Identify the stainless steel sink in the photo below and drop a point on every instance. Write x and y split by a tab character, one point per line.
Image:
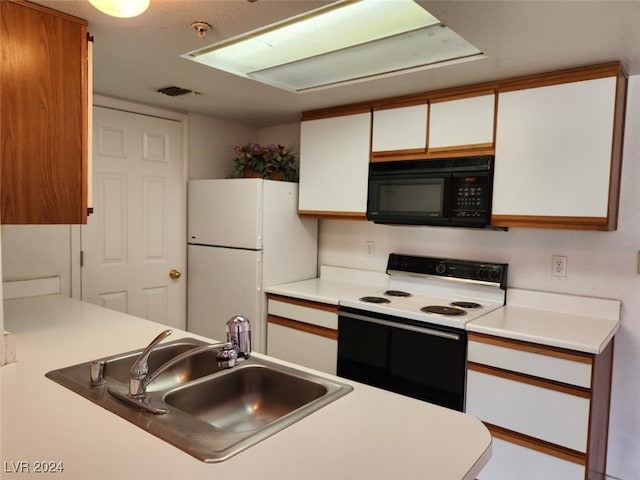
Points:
213	413
246	398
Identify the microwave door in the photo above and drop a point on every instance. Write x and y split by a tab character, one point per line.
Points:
409	200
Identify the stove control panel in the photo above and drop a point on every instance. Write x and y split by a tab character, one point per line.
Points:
482	272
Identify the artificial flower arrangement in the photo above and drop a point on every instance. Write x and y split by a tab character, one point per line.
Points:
275	162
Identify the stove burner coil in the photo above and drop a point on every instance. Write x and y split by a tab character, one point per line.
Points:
397	293
443	310
463	304
374	300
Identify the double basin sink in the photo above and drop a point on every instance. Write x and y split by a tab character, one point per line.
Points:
213	413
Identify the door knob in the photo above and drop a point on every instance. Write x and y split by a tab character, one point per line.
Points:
174	274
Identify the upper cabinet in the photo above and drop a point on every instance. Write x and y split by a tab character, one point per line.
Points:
440	125
400	129
558	151
334	165
44	115
557	140
462	124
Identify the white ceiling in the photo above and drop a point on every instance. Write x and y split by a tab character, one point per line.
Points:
134	57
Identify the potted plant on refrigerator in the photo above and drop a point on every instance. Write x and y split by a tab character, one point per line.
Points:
273	162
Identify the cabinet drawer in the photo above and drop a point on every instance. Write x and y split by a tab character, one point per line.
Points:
543	413
511	461
324	318
570	369
302	348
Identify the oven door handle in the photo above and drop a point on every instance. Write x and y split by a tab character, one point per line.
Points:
412	328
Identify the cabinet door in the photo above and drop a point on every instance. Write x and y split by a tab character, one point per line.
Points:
334	165
462	123
402	128
554	155
44	116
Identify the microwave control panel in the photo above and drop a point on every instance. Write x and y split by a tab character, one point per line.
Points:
470	196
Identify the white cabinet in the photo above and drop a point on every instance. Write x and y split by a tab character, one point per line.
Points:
558	154
548	407
462	123
536	412
303	332
334	165
401	128
511	461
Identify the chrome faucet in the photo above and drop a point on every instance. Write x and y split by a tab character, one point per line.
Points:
237	347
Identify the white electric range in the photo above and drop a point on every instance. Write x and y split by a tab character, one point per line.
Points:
410	337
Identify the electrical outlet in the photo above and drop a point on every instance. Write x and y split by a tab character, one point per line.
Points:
558	266
370	248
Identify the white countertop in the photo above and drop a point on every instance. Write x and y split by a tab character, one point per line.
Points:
584	324
575	322
333	284
369	433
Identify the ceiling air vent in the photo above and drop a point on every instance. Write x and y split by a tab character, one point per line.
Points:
174	91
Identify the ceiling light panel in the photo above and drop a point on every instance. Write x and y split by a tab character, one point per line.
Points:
346	41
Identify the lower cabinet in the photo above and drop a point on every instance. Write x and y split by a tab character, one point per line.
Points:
547	408
303	332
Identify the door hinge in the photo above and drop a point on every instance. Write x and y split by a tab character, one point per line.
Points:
81	258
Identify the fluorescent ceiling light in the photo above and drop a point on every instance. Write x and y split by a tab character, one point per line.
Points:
346	41
121	8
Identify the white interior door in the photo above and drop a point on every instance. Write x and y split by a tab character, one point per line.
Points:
135	237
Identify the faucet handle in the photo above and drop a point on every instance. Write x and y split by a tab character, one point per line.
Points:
140	368
239	335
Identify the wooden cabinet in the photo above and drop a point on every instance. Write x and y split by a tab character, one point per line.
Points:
558	151
462	124
44	97
400	129
303	332
334	165
548	407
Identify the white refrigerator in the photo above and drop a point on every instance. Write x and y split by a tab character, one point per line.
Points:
243	235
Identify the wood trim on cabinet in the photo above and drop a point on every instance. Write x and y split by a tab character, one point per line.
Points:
461	149
336	111
327	307
531	347
530	380
400	102
329	215
570	223
609	69
616	150
303	327
536	444
461	93
598	434
445	152
50	11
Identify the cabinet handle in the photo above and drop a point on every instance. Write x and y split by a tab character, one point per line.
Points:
401	326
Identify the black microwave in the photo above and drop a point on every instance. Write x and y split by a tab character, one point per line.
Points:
453	192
